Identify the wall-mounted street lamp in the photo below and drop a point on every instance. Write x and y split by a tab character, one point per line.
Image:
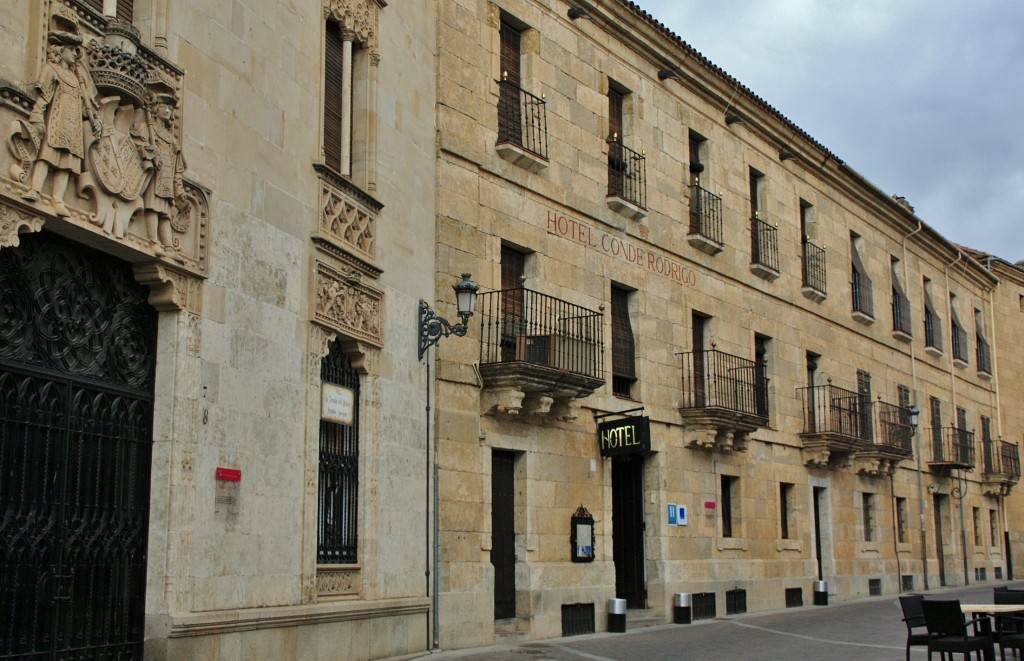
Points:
432	327
913	413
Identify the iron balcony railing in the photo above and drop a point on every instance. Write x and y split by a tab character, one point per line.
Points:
952	445
861	292
814	266
764	244
524	326
829	409
901	313
522	119
705	214
984	357
714	379
627	174
895	430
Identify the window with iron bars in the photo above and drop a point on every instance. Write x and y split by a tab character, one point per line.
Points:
338	508
860	283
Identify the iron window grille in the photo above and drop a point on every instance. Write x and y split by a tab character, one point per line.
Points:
522	118
764	244
813	266
860	283
932	329
989	453
735	601
705	214
1009	455
337	530
627	173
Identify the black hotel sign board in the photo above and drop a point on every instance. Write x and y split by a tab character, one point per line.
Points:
628	436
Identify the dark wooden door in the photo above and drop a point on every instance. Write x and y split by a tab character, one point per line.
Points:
503	533
628	530
938	505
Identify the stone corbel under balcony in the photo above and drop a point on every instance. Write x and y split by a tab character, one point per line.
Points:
626	208
829	450
715	430
525	159
997	484
862	317
874	465
813	294
705	244
531	392
762	271
902	336
934	352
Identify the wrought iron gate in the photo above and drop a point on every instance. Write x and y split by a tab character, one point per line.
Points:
76	387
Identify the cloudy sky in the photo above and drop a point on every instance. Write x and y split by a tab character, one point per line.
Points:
925	98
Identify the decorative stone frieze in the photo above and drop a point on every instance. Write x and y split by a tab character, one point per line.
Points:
343	303
348	216
338	582
14	221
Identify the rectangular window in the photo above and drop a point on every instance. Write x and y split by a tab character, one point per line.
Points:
864	406
813	255
338	478
900	302
705	206
513	311
762	347
987	447
623	344
868	512
860	283
729	518
698	153
957	332
902	519
626	167
522	116
764	239
785	496
976	519
344	61
993	526
984	356
935	409
932	326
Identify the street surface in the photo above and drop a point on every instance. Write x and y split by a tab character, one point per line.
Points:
870	629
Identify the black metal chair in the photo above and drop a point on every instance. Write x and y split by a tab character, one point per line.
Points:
1011	641
948	630
1008	624
913	617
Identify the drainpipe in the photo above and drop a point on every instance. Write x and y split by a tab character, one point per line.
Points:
917	437
952	389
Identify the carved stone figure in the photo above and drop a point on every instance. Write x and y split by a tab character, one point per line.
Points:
65	96
165	196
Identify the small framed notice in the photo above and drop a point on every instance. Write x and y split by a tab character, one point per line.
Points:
336	403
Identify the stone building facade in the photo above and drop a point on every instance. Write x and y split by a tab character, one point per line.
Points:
702	337
212	220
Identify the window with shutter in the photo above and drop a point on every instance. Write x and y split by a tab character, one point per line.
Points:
623	348
125	8
333	92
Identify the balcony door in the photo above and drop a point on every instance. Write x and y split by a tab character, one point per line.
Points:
513	322
939	507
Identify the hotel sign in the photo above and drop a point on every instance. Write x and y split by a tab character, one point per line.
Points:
628	436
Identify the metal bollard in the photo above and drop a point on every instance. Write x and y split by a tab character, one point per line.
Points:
821	593
616	616
682	613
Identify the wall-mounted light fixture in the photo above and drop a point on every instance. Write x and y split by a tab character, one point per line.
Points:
577	12
733	119
913	414
667	74
785	155
432	327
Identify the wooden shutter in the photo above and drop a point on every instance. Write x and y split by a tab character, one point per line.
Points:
333	91
510	54
623	348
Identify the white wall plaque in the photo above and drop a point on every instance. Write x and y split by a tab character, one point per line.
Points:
336	403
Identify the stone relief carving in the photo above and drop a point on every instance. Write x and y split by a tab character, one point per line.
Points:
97	143
338	582
13	221
345	304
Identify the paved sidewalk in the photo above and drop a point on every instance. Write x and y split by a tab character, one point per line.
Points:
869	629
